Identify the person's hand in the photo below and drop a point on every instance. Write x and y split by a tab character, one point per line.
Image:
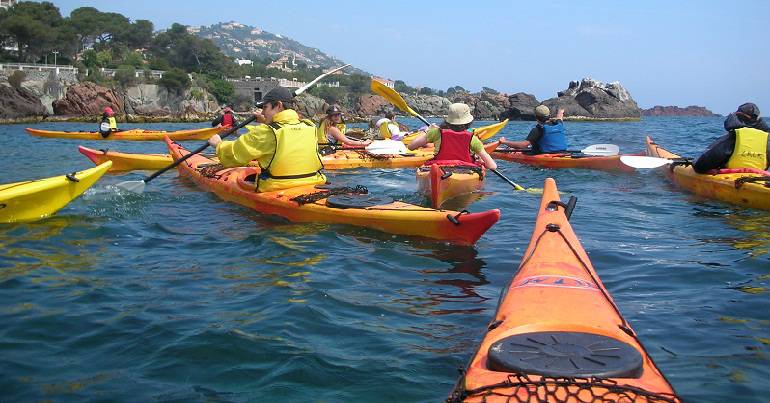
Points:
366	142
560	114
502	140
260	118
215	140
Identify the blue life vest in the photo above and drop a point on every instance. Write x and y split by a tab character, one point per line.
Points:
553	138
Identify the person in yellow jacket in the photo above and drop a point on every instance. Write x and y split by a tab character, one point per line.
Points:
331	130
389	129
108	124
285	146
744	146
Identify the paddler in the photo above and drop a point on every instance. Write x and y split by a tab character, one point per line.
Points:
389	129
226	119
108	124
453	141
743	146
331	129
285	146
546	137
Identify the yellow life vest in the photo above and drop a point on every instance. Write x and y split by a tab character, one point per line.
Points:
385	130
321	132
113	123
296	161
750	149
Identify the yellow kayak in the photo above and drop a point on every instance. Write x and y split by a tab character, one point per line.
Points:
483	133
36	199
130	134
725	185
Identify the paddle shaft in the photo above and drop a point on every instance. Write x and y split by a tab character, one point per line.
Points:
198	150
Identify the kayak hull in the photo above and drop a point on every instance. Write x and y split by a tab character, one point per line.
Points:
37	199
441	183
566	161
233	185
718	187
130	135
557	292
341	159
127	161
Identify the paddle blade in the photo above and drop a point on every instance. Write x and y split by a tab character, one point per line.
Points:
641	162
132	186
486	132
386	147
604	150
392	96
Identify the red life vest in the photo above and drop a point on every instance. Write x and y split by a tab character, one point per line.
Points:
227	119
454	147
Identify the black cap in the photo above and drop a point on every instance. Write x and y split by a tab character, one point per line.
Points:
749	109
276	94
333	110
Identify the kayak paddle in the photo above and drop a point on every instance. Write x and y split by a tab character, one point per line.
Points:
398	101
642	162
596	150
138	186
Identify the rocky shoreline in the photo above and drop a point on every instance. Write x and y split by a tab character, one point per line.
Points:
584	100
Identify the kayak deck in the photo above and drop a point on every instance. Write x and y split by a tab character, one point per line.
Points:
36	199
557	334
564	160
440	183
395	217
726	187
130	134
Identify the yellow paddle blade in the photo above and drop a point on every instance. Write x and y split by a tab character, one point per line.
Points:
392	96
485	132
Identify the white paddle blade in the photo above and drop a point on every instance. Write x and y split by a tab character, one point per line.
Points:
132	186
601	149
386	147
641	162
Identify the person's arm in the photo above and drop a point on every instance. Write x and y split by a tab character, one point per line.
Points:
716	155
337	134
477	147
515	144
429	136
257	142
559	115
218	121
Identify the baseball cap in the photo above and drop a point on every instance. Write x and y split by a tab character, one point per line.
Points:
276	94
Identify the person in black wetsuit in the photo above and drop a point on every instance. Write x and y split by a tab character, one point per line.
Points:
746	126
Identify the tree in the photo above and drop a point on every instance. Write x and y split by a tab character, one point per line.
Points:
125	75
426	91
133	59
175	80
32	26
189	52
401	86
221	89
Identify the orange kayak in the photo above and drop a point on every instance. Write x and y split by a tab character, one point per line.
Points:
727	187
564	160
326	205
557	334
443	182
131	134
341	159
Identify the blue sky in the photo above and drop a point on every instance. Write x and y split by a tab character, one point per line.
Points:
708	53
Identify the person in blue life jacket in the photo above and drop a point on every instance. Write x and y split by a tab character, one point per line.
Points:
548	135
284	145
745	145
108	124
226	119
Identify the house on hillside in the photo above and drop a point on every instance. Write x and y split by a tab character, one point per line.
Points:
388	83
242	62
7	3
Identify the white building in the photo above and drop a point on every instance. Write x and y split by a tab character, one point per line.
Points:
7	3
388	83
242	62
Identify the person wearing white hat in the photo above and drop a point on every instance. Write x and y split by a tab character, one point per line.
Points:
547	136
453	141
